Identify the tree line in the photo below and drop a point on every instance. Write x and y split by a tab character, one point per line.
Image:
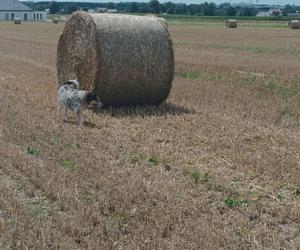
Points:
155	7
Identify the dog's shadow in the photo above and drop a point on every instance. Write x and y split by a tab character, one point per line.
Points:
146	110
89	124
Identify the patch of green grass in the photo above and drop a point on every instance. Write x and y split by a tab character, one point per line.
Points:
38	208
281	89
203	142
273	84
34	181
221	188
287	116
72	145
32	151
253	138
254	49
179	195
249	79
69	165
136	157
191	75
223	18
197	176
153	160
280	195
235	202
89	197
116	222
54	141
297	192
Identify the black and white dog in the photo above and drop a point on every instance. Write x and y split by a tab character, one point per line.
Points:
71	97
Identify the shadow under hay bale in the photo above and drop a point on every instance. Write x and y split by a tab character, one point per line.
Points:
231	23
147	110
17	21
125	59
294	24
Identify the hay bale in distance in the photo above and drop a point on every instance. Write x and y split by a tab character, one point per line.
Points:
125	59
17	20
294	24
231	23
55	20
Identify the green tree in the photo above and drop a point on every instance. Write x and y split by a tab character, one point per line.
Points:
180	9
230	11
72	8
54	7
248	11
194	9
154	6
133	7
143	8
209	9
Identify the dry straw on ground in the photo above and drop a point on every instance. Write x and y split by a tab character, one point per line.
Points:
294	24
231	23
17	21
125	59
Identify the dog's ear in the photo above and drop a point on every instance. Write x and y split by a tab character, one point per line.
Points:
90	97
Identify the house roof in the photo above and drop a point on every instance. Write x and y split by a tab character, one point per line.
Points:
13	5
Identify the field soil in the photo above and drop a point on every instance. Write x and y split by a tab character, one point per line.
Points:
217	166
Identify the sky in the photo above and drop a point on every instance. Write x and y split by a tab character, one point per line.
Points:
278	2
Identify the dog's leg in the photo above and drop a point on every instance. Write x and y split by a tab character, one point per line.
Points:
79	120
59	108
66	113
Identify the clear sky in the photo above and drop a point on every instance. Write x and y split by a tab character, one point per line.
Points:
279	2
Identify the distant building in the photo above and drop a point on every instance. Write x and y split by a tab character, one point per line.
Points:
297	14
270	12
275	12
112	11
105	10
262	13
11	9
101	10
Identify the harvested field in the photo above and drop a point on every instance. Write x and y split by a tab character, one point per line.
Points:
215	167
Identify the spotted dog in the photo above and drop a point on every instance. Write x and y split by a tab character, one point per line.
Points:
71	97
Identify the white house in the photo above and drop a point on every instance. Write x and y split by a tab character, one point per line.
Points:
11	9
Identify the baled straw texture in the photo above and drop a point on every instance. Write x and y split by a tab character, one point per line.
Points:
55	20
125	59
231	23
17	21
294	24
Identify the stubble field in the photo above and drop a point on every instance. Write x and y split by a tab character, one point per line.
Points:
215	167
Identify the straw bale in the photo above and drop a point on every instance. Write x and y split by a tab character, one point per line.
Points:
124	59
231	23
294	24
17	21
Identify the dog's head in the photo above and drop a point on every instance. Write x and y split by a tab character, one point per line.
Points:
93	101
73	83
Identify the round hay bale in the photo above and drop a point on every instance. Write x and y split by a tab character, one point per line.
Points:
55	20
294	24
231	23
163	22
17	20
160	19
125	59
